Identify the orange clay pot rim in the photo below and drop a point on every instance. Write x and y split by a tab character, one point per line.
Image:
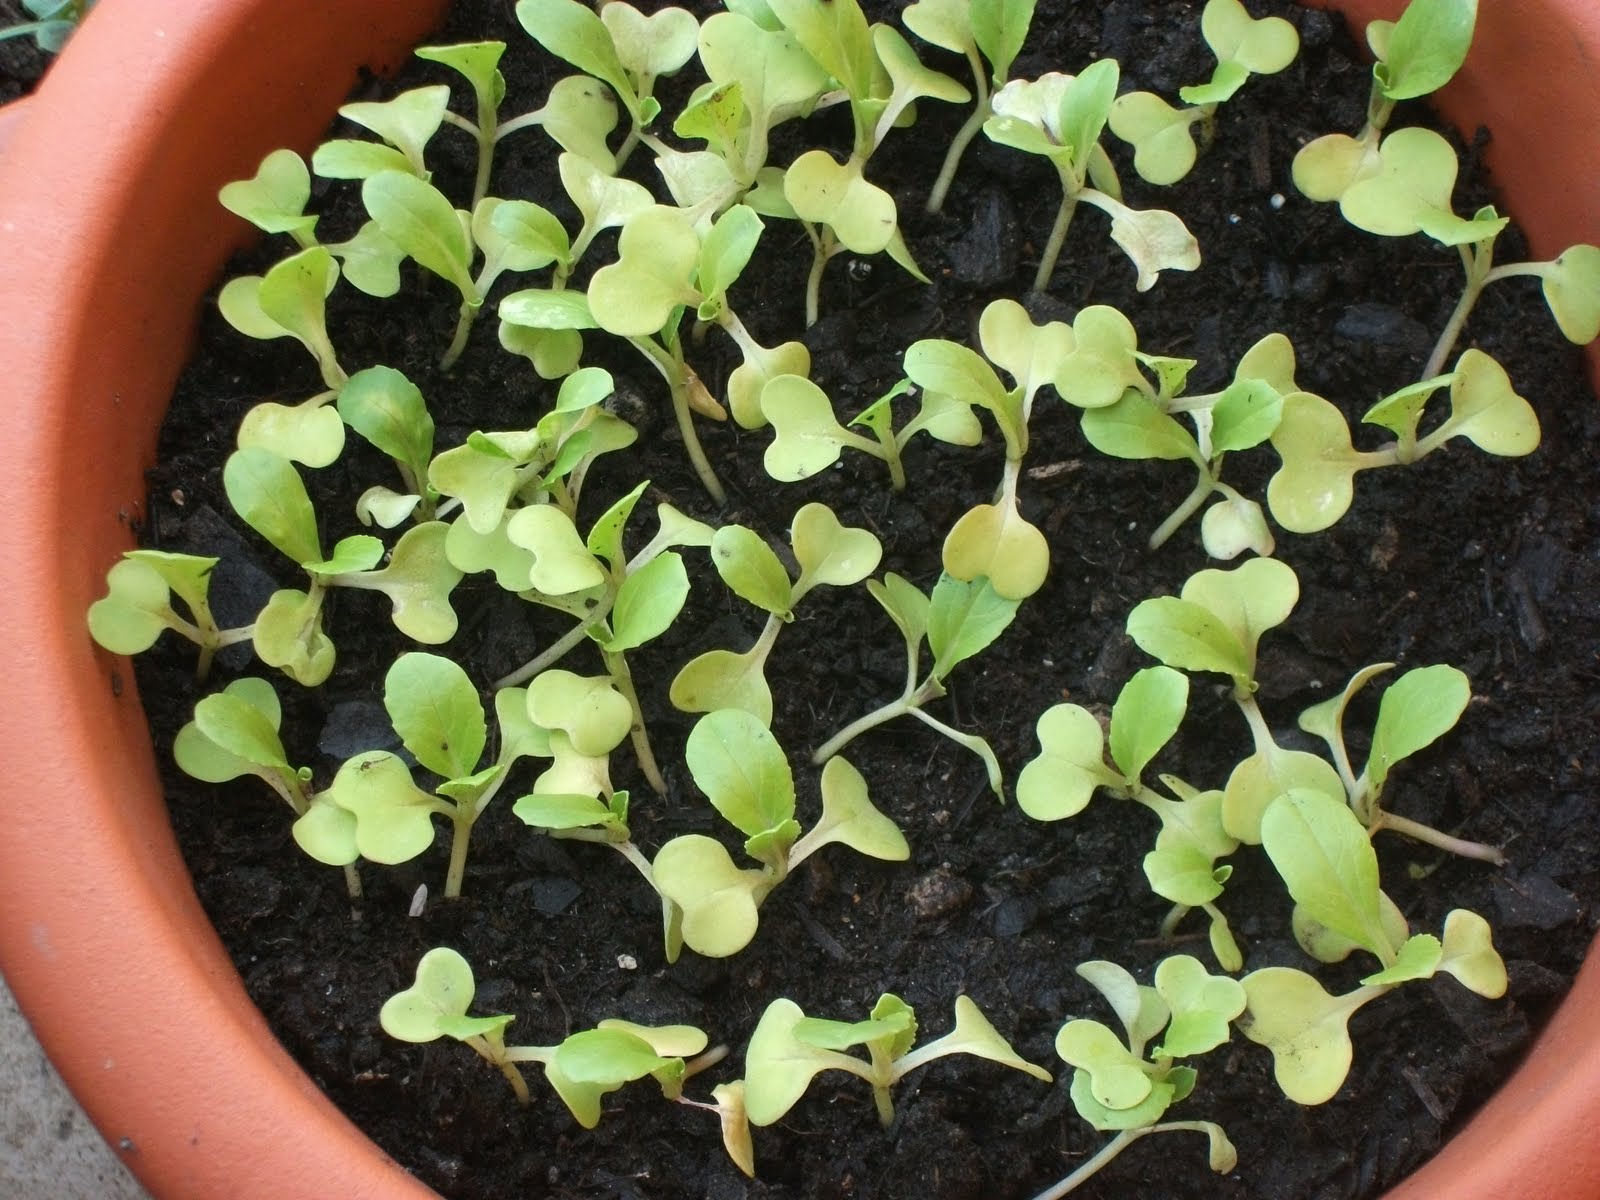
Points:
130	65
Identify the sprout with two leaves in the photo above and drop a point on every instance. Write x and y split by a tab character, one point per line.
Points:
583	1067
234	733
138	606
1401	183
709	903
986	32
960	619
268	494
881	77
1061	118
1126	1086
1326	860
1071	766
374	809
826	551
789	1049
1126	416
1162	137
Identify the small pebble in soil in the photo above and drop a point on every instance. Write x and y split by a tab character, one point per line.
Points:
1534	901
938	893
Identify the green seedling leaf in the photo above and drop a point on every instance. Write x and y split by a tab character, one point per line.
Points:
436	712
825	192
1163	146
309	433
1059	782
1000	27
1233	525
740	767
290	299
605	535
1261	47
1103	363
1187	635
371	261
559	813
726	250
589	710
835	33
751	570
1304	1027
848	816
572	32
344	158
269	496
648	601
1327	167
553	352
1135	428
470	552
478	63
636	296
724	679
943	23
1417	958
484	473
1202	1005
775	76
579	115
936	365
1470	956
1147	713
571	773
975	1035
718	900
906	605
234	733
443	989
274	198
288	635
809	436
964	618
1572	290
393	817
1400	412
562	563
532	237
1417	709
841	1035
748	382
1325	858
779	1066
1425	48
387	409
1264	776
1245	415
828	552
1486	410
1031	354
137	606
418	582
1248	599
910	80
1118	1078
1407	187
648	46
1314	486
415	216
995	541
1324	945
1140	1009
407	122
1180	871
361	552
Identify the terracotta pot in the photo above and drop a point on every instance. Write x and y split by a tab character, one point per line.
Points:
109	233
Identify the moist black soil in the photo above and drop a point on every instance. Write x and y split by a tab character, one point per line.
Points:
1491	565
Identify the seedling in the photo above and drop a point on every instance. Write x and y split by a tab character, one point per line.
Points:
137	607
827	553
1072	766
1061	117
1127	416
235	733
583	1068
1417	709
1162	137
268	495
1326	860
620	46
960	619
374	809
985	31
709	903
1315	484
1118	1085
789	1049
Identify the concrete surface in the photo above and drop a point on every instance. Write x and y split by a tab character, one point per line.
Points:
48	1148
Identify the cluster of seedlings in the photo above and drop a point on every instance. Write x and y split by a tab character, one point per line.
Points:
509	503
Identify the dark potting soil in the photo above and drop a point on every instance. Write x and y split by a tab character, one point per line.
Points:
1492	565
